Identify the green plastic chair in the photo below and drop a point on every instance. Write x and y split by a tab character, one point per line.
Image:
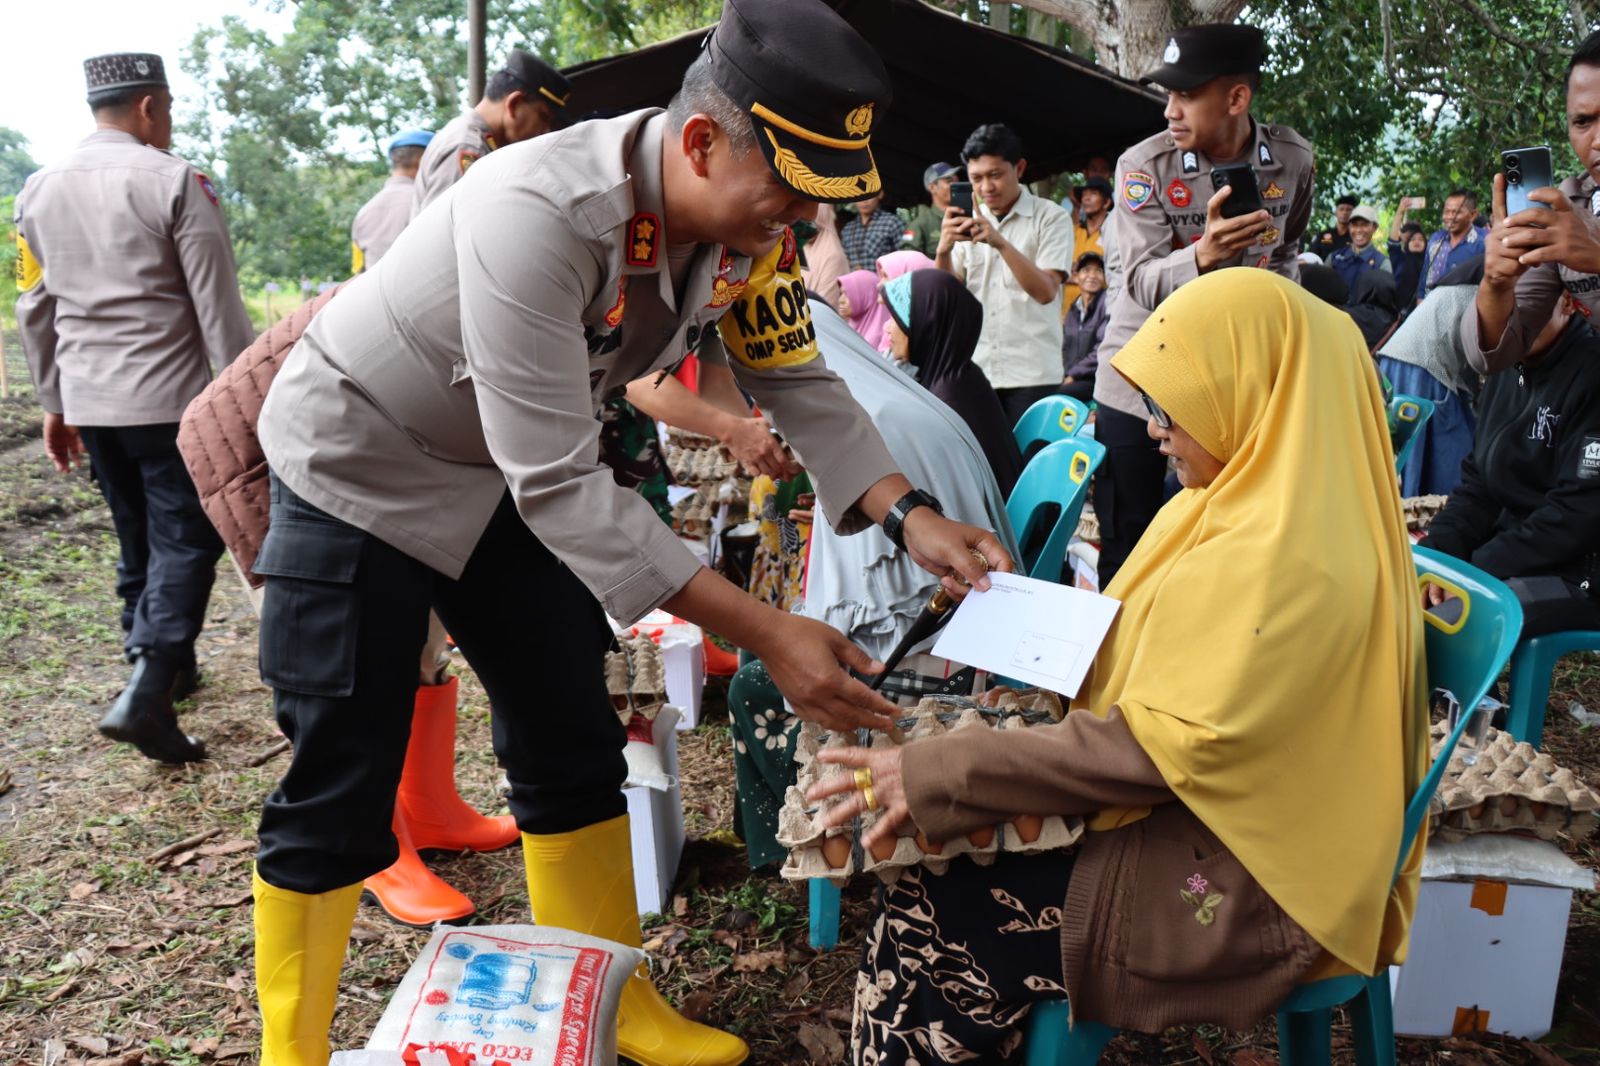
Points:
1048	498
1464	657
1531	665
1411	413
1049	420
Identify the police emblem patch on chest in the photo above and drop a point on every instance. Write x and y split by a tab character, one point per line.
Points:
1273	191
1138	189
1178	194
723	291
618	309
206	187
644	233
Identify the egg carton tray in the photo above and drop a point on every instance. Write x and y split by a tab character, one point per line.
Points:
838	854
1509	787
636	678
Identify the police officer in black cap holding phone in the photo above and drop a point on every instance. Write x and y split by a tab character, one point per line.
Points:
433	439
1173	226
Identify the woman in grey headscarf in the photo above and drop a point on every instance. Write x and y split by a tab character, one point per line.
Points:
862	585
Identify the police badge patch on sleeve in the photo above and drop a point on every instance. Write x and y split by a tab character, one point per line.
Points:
1589	458
1137	189
206	187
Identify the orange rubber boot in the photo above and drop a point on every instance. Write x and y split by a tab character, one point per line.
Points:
439	819
411	893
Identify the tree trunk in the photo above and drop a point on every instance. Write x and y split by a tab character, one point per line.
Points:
1129	36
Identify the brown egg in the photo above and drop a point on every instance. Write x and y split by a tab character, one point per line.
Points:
1028	827
882	849
1476	810
982	838
928	847
836	851
1539	809
1508	805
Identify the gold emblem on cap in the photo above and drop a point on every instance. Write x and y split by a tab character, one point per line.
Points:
799	176
858	123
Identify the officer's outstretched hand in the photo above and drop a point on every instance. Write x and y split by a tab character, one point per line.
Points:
808	660
753	444
1225	238
946	549
61	443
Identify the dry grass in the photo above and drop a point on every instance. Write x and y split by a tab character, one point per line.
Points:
110	956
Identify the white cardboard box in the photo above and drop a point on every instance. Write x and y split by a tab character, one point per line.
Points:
657	825
1487	939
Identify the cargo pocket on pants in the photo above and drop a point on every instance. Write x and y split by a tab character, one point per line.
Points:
310	617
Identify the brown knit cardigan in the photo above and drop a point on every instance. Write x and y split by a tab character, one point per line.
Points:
217	437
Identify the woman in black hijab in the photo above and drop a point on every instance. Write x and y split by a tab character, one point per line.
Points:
934	325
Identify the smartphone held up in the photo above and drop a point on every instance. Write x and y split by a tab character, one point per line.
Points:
961	196
1526	169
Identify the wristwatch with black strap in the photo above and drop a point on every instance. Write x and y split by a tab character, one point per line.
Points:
894	522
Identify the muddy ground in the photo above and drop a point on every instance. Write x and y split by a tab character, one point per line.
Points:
124	887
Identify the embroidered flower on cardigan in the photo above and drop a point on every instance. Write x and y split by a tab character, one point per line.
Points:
1204	903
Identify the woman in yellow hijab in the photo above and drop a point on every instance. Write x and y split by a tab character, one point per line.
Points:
1245	744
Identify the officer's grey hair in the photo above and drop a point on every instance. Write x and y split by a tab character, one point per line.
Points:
702	96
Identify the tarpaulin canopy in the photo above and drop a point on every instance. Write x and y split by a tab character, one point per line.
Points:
950	76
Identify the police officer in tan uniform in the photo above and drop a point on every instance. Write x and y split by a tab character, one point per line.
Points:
433	440
1170	230
525	98
127	301
1535	255
381	218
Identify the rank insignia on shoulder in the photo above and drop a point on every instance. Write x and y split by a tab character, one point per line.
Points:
1191	162
1138	189
206	187
1594	202
1178	194
1273	191
1266	154
644	231
466	157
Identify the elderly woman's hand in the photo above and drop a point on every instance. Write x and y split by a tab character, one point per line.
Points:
882	776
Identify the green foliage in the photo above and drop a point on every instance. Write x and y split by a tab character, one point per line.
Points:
15	162
1427	107
296	125
8	261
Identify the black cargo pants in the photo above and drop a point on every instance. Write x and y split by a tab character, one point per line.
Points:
342	625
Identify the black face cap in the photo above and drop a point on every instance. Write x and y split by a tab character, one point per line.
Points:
1196	54
123	70
814	90
539	79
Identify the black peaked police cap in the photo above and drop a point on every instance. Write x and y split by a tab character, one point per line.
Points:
814	90
541	79
1196	54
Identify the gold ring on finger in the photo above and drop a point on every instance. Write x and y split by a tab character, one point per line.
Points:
863	778
870	797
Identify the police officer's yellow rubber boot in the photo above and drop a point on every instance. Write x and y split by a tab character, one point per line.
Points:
583	881
300	946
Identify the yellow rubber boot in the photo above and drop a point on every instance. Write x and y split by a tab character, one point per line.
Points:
583	881
300	946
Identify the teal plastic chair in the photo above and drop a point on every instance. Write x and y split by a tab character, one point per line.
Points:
1049	420
1464	657
1047	500
1531	665
1411	413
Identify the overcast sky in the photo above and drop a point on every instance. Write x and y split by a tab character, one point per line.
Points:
47	42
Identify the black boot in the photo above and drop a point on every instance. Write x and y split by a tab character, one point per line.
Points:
143	715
